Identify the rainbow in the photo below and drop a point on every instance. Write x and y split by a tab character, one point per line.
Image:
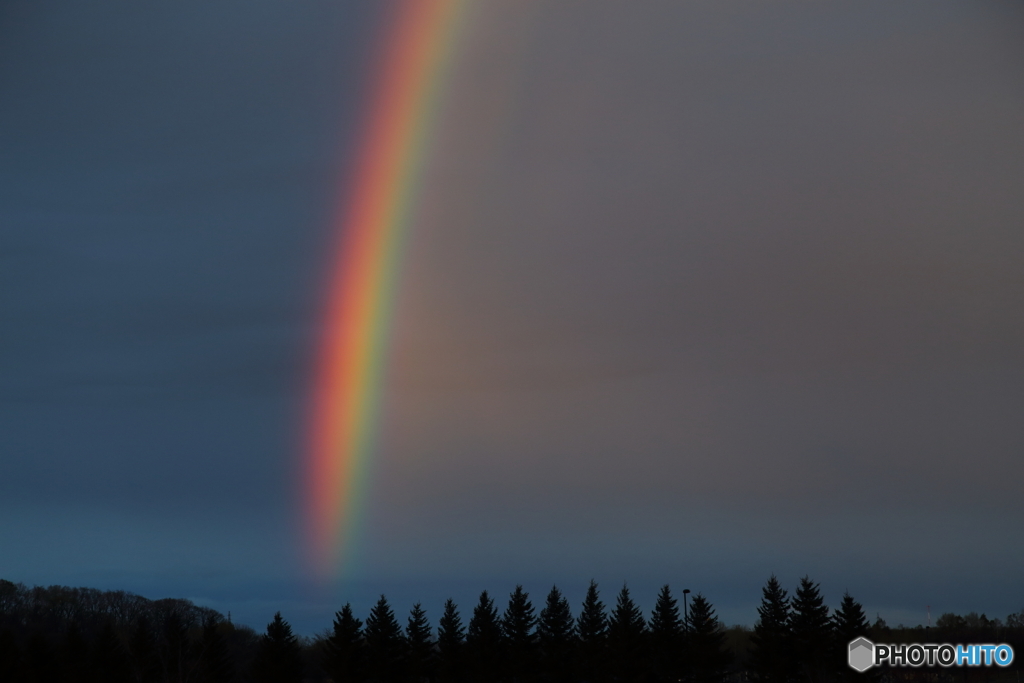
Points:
378	210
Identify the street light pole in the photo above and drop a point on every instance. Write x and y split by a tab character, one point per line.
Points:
686	618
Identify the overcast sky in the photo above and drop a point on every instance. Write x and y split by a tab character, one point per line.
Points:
695	292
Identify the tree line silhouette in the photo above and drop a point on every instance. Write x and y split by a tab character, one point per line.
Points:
85	635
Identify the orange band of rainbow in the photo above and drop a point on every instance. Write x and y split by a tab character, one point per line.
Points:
379	207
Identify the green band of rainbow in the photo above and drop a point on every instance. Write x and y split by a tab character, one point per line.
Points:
378	211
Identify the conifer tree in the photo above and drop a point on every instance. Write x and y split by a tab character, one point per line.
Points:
278	655
483	640
626	632
554	637
771	657
848	623
849	620
706	655
451	640
384	644
666	629
592	634
517	629
812	631
420	645
343	652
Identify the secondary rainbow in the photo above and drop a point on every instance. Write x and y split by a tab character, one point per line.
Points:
378	209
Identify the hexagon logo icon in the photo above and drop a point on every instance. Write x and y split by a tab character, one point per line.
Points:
861	654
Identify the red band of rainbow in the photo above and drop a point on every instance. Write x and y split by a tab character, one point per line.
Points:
379	208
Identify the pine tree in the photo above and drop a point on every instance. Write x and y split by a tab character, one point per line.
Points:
517	630
848	624
812	631
344	649
555	637
451	640
771	656
592	633
849	620
278	655
666	637
705	643
626	633
384	644
483	641
420	645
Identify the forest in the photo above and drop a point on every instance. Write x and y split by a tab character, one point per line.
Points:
85	635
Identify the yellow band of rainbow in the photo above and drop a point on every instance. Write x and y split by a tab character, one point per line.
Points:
378	210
